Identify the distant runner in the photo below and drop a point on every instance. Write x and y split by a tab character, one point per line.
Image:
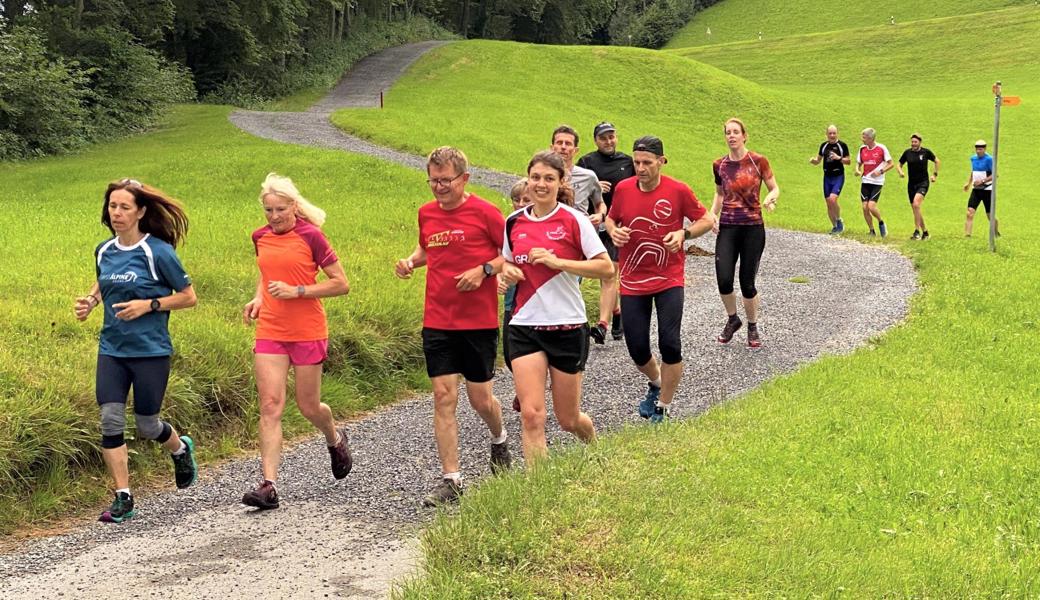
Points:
916	160
834	154
460	242
872	161
139	280
739	176
646	223
611	167
981	183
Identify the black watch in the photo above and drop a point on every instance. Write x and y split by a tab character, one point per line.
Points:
155	304
488	270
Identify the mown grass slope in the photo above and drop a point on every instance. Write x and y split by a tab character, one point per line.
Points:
737	20
48	419
905	469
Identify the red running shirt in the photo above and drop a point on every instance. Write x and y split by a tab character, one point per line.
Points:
455	241
741	182
293	257
646	266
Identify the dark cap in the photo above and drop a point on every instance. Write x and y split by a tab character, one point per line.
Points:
602	128
649	143
915	136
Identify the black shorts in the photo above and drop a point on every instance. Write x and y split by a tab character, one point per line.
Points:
869	192
913	189
608	243
469	352
566	349
148	377
980	196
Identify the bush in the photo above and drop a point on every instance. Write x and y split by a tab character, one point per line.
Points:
42	100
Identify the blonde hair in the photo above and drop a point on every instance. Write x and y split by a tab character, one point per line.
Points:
447	155
518	189
743	129
283	187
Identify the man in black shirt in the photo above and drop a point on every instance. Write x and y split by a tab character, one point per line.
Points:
916	160
611	167
835	155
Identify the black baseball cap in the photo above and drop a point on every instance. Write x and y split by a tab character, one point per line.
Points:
649	143
603	127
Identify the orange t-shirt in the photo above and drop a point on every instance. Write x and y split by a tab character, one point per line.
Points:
293	257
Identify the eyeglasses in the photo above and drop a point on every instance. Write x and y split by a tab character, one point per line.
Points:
443	182
127	182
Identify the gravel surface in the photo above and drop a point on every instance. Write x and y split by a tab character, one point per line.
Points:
351	539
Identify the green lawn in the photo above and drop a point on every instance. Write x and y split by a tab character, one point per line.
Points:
905	469
737	20
48	419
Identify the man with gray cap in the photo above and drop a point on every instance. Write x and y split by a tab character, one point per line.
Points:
611	167
646	222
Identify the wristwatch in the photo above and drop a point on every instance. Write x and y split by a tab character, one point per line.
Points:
155	304
300	291
488	270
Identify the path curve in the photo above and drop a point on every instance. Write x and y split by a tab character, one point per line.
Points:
351	539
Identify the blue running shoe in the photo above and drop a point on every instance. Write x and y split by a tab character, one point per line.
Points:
649	402
659	416
883	230
840	227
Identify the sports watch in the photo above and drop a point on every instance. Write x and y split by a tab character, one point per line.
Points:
300	291
155	304
488	270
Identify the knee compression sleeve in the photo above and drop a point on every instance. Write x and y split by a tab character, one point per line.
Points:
151	428
113	423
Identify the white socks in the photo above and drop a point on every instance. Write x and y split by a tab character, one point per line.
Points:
500	439
181	450
456	477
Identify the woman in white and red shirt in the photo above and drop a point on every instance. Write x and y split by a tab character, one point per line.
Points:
548	246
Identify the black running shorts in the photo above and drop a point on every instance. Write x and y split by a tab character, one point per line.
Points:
566	349
869	192
469	352
913	189
980	196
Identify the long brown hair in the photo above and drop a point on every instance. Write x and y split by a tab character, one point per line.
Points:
552	160
164	217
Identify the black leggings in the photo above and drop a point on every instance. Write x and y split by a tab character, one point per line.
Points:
745	242
636	323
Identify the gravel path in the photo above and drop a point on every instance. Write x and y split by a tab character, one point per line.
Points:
351	539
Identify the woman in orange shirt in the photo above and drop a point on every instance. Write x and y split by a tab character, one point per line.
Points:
291	327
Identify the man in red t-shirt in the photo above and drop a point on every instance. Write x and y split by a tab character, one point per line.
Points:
460	243
646	224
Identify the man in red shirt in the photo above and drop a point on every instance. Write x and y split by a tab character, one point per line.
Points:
460	243
646	224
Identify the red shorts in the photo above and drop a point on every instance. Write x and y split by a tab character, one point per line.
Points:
300	353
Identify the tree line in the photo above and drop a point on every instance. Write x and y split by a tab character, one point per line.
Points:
75	71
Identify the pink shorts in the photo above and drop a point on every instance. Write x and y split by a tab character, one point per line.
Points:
300	353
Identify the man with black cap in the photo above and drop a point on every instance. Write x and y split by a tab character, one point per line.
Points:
646	224
611	167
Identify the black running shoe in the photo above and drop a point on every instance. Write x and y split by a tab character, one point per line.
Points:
599	333
185	470
924	235
500	459
732	325
916	235
122	508
340	455
753	340
446	491
264	497
616	331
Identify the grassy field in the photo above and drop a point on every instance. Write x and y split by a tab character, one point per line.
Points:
738	20
903	470
48	419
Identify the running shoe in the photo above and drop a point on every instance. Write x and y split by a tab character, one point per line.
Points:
883	229
871	234
840	227
916	235
448	490
342	461
649	402
516	403
924	235
659	416
599	333
122	509
732	325
753	340
500	459
834	230
264	497
185	470
616	331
